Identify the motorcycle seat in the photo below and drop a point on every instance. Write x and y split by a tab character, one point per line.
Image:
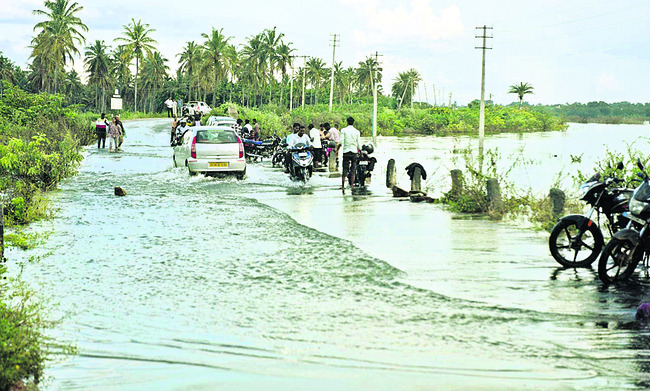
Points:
252	142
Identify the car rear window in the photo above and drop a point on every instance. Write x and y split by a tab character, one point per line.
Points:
215	136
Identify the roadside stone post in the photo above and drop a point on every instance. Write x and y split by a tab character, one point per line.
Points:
416	181
391	174
557	202
331	160
456	183
495	201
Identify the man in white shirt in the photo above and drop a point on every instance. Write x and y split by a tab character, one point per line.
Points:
314	135
169	103
298	138
350	144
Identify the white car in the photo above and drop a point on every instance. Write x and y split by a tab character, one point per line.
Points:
201	106
219	121
211	150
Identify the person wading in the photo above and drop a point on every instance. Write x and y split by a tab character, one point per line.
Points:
350	144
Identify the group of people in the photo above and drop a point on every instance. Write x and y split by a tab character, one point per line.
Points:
172	106
114	129
248	131
348	140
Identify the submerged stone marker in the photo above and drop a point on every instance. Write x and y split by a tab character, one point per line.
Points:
495	202
416	181
119	191
391	174
456	184
557	201
331	161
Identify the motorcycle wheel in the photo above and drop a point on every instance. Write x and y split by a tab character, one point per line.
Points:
618	261
304	174
572	249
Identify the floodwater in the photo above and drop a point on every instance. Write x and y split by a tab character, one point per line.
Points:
193	283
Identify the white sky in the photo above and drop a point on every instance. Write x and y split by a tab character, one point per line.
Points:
569	50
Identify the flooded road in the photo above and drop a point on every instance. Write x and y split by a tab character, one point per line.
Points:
202	283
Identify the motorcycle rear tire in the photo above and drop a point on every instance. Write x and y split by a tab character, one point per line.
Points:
563	232
618	261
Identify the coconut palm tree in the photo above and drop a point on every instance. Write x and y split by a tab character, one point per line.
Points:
271	42
214	47
137	41
284	59
369	73
521	90
316	72
405	85
97	65
254	59
155	73
59	36
189	61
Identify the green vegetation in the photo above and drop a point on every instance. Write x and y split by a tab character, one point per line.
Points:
521	89
40	140
425	121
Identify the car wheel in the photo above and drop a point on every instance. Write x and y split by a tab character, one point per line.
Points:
241	175
192	173
174	160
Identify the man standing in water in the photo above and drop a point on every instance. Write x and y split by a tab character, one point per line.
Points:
100	129
350	144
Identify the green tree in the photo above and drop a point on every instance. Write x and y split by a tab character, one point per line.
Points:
137	41
315	69
521	90
98	67
59	36
215	48
405	85
189	61
368	73
154	74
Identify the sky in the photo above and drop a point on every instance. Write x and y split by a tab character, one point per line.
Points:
568	50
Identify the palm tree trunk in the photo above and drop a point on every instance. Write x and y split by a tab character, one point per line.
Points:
103	99
135	98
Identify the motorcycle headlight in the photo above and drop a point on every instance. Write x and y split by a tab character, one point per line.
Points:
584	189
636	206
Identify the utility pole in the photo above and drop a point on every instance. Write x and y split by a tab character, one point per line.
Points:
481	121
291	79
426	97
303	79
374	99
332	78
435	101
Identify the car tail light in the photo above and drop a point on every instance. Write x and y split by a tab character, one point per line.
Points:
241	147
193	149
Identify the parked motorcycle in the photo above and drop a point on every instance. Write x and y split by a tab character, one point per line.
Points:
258	150
301	165
279	153
630	245
365	165
576	240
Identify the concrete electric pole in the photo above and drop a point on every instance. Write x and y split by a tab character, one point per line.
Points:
332	77
374	99
481	121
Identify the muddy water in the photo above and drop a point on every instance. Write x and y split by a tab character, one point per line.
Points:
202	283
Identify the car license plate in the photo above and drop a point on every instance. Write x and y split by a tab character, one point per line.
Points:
302	154
363	163
218	164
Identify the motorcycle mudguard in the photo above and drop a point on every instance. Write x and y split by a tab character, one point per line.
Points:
577	219
628	234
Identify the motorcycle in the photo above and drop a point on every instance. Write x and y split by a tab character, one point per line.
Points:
630	245
301	164
365	165
279	154
260	149
577	240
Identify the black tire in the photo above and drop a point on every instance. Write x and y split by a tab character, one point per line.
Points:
174	160
618	261
572	249
304	174
241	175
192	173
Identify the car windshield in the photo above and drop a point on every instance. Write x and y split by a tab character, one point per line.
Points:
215	136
